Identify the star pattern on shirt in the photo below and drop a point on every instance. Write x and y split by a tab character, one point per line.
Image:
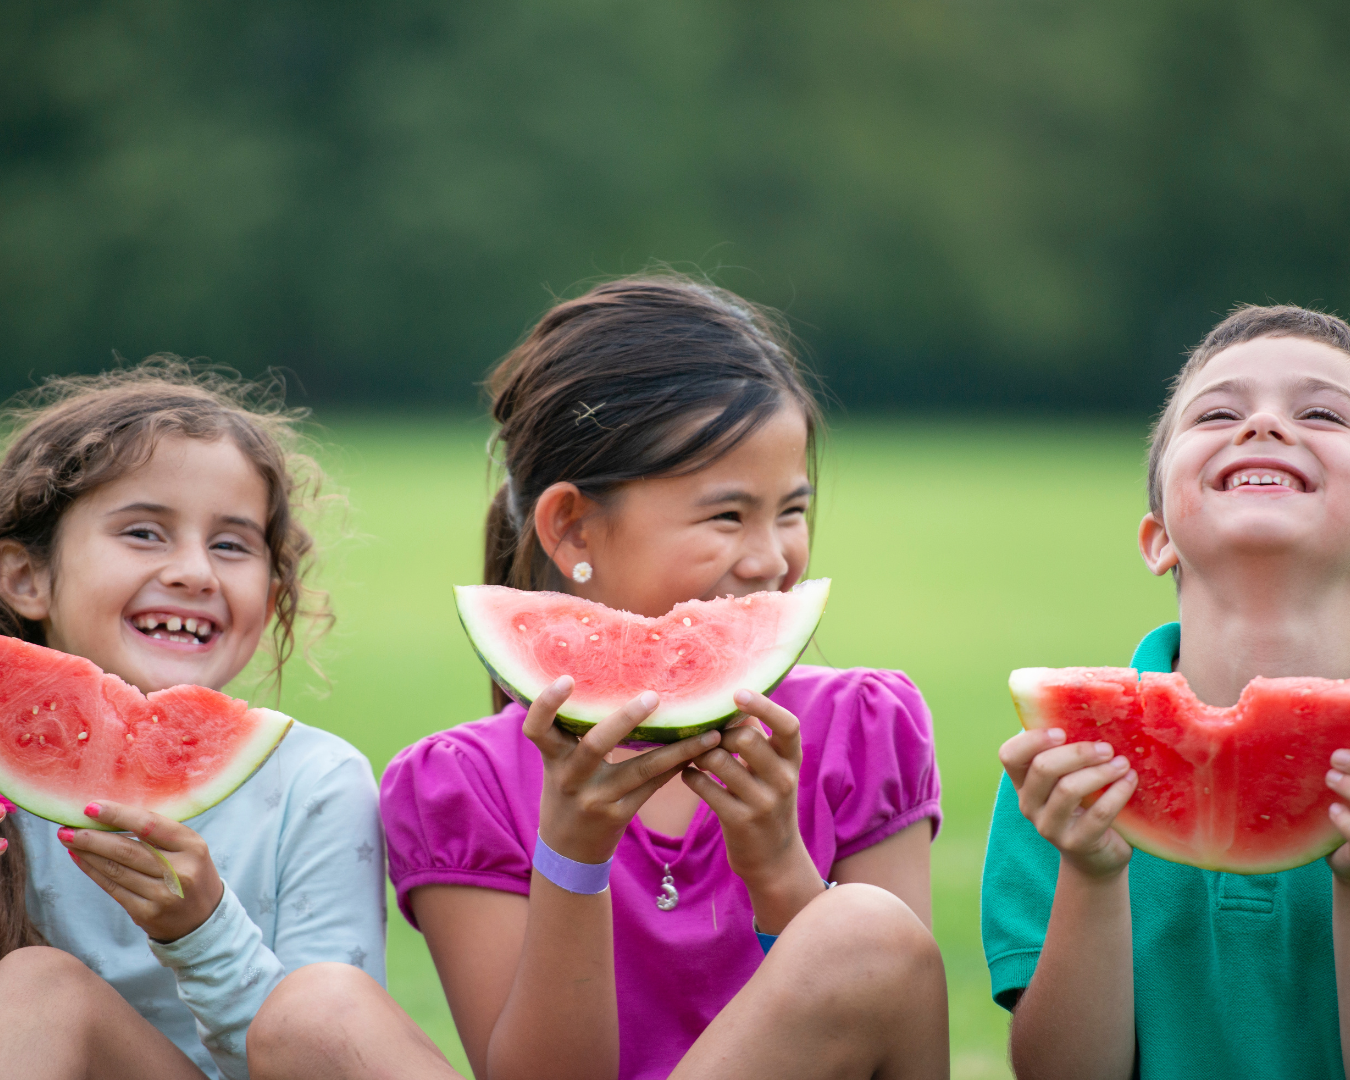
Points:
223	862
94	961
219	1041
357	957
149	1009
365	852
50	894
267	905
273	799
314	806
251	976
304	906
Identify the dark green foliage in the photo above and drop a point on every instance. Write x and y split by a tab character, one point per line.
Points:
958	201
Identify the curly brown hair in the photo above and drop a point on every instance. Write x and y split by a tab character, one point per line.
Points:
71	435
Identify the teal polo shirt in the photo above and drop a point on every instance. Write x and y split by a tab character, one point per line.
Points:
1234	976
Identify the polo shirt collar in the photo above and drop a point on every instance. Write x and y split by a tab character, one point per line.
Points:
1159	649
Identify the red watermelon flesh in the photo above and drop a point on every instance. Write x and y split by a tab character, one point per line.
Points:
1241	789
695	656
70	733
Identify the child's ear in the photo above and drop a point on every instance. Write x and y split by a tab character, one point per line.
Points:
1155	545
560	519
24	585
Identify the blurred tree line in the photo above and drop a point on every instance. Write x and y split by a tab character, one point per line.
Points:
958	202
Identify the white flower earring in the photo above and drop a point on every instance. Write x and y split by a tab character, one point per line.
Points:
581	573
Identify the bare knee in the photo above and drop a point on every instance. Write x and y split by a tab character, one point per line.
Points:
306	1007
869	936
39	972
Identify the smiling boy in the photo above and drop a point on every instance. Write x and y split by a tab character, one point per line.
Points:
1116	963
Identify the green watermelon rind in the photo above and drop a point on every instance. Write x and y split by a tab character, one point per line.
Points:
248	758
1025	684
693	718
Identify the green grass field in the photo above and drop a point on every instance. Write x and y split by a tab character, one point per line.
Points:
958	551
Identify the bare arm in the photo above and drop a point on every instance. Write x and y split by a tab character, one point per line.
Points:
900	864
1076	1019
1339	861
531	980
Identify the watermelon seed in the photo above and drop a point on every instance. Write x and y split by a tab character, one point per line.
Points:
52	706
584	619
34	710
688	622
1289	756
595	637
185	738
1206	791
129	739
82	736
154	719
562	644
1138	749
521	626
42	740
1265	817
656	637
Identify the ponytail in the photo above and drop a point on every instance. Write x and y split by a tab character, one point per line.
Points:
16	928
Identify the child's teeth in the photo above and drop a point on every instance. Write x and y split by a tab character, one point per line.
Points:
174	624
190	625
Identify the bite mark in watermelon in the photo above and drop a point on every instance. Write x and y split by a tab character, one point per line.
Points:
1241	790
70	733
695	656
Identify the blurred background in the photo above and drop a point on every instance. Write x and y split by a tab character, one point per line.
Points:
959	202
994	227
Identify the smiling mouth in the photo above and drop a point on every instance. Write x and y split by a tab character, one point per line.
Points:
1277	478
164	627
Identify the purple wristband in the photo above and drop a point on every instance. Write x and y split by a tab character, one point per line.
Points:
576	877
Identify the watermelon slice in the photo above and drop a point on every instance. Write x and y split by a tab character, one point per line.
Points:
695	657
70	733
1241	789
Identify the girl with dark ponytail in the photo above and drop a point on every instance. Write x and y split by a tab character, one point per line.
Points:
659	446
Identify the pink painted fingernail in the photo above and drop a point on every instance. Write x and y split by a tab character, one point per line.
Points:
65	834
4	844
93	810
72	854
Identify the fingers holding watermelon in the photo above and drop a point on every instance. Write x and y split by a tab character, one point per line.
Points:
587	801
1055	782
756	804
161	874
1338	780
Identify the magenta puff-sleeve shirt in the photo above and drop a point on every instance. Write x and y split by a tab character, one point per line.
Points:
461	807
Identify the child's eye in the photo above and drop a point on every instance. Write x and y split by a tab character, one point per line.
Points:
143	534
730	515
794	510
1217	414
1321	412
230	545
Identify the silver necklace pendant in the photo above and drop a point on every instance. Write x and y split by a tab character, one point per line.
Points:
669	894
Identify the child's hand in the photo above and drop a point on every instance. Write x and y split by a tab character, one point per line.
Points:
587	802
758	809
134	876
1053	779
1339	782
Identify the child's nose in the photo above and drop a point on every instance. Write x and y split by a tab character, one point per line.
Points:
1265	425
190	568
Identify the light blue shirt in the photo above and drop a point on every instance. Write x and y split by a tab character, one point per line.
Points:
301	852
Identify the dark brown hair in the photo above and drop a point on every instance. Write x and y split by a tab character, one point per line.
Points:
72	435
1246	322
647	376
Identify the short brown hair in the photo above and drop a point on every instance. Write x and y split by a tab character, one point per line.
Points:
1247	322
